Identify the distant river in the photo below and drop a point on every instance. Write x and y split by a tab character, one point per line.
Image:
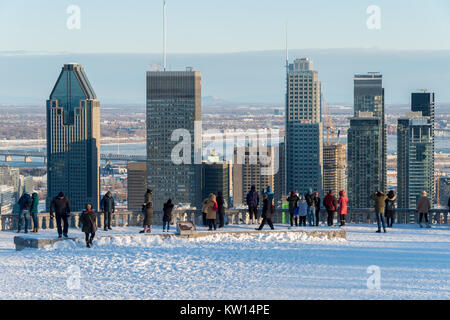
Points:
442	145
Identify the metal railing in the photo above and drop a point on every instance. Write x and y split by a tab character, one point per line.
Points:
232	217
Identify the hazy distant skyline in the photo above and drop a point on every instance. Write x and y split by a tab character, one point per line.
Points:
253	77
213	26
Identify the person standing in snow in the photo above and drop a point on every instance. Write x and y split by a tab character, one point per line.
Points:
423	208
24	209
252	203
167	217
330	203
343	201
379	198
220	209
147	210
107	205
34	211
60	207
390	208
89	220
316	200
310	209
211	211
302	211
267	212
293	201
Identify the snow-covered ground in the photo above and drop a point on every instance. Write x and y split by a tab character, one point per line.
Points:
414	264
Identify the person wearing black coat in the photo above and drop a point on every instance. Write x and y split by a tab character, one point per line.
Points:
147	210
89	220
220	209
108	207
60	207
167	214
316	201
389	210
266	213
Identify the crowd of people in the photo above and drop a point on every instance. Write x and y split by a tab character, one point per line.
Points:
302	209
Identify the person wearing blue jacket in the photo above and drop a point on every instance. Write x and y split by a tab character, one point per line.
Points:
302	211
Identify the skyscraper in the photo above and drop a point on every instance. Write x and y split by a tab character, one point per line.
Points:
365	150
425	103
369	97
334	167
304	130
136	184
216	178
173	110
249	170
414	159
73	139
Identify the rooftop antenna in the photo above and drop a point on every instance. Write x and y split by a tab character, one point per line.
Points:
287	51
164	34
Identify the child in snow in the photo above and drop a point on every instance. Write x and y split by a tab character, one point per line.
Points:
302	210
89	220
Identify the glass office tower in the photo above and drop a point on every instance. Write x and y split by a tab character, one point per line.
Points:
73	139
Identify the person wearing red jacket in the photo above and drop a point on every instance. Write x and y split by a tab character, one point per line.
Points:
330	203
343	201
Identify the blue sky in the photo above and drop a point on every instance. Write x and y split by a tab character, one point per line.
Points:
211	26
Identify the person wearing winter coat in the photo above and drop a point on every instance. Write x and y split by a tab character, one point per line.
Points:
423	208
330	203
211	210
60	207
204	213
147	210
316	200
266	212
252	201
167	214
89	220
220	209
34	211
390	208
310	209
293	200
380	203
343	201
108	207
24	209
302	211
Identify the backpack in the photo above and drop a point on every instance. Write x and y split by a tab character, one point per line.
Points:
390	205
330	203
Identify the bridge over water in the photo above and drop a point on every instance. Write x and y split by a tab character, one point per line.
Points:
27	155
